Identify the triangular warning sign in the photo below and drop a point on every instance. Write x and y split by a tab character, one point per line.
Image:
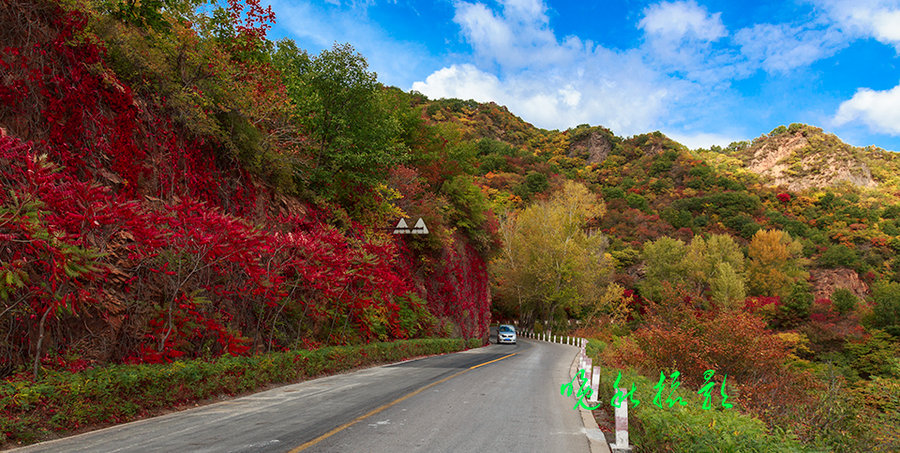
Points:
402	227
420	227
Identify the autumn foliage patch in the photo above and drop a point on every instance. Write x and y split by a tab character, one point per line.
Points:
127	238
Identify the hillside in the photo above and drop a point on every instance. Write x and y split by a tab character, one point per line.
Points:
774	262
181	193
803	157
168	192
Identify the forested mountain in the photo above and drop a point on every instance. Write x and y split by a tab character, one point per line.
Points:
774	262
177	187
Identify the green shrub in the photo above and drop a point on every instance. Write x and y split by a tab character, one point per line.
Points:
843	300
534	183
636	201
612	192
875	356
797	305
886	310
840	256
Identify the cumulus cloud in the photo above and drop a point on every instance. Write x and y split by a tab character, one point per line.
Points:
557	100
515	38
783	47
550	82
879	110
680	38
879	19
682	20
462	81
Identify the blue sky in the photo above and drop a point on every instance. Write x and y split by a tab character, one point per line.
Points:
701	71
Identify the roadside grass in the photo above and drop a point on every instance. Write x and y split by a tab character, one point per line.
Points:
61	401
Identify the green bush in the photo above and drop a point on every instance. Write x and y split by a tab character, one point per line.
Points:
875	356
64	401
637	201
610	193
797	305
840	256
534	183
843	300
886	310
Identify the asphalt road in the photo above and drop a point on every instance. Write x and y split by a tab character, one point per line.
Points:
496	398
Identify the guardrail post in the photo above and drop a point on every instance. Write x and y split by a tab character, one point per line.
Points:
595	384
588	369
621	445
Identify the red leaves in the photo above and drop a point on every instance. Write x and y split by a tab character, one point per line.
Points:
183	272
459	291
783	197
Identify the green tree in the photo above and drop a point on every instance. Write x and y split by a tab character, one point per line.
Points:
468	209
663	262
704	257
796	306
534	183
345	113
840	256
886	310
875	356
727	288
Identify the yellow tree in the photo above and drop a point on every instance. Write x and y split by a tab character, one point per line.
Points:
775	263
703	257
549	262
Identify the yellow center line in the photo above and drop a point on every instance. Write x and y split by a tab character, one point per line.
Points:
379	409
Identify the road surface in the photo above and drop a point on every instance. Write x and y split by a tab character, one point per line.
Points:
496	398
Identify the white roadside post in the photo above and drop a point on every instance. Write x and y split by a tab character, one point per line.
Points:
595	384
589	370
621	445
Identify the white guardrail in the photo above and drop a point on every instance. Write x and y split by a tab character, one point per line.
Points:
592	374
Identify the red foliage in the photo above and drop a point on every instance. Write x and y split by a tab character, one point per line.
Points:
754	303
732	343
783	197
200	274
460	291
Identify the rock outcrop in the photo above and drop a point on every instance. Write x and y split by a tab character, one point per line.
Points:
825	281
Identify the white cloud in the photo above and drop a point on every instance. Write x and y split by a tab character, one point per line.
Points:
462	81
518	37
783	47
682	20
680	38
557	83
879	19
879	110
627	105
550	82
524	10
